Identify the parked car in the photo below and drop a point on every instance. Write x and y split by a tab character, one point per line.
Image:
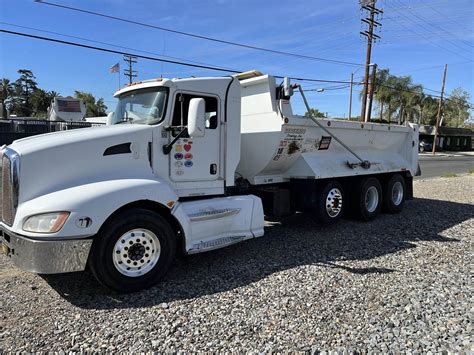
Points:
425	146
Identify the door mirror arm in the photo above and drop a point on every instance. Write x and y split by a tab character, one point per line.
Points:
167	147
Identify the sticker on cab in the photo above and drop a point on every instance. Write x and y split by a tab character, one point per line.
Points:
324	143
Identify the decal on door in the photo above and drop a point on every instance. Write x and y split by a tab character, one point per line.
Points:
182	152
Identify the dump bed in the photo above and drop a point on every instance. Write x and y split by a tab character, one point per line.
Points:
278	146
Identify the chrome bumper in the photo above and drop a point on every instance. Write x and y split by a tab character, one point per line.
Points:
46	256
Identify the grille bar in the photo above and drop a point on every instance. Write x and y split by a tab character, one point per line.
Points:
10	184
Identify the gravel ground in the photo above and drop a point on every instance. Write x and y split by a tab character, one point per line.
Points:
399	283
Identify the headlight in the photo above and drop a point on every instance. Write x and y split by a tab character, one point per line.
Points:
45	223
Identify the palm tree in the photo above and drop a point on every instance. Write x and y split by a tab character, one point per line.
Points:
6	92
412	108
101	107
382	93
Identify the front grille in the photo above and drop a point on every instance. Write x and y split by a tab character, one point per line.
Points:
9	188
7	213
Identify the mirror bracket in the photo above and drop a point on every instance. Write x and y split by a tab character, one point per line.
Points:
167	147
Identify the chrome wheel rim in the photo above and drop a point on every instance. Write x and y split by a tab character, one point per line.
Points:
136	252
371	199
334	202
397	193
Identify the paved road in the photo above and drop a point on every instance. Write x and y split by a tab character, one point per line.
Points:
432	166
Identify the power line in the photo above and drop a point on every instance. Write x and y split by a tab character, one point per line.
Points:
330	61
413	13
54	40
118	52
106	43
75	44
439	13
415	32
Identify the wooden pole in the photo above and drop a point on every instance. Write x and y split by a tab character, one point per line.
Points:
350	95
371	93
367	60
438	117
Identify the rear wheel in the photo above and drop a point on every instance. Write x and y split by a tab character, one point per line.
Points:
394	194
133	251
330	203
368	199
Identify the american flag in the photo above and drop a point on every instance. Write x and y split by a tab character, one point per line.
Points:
115	68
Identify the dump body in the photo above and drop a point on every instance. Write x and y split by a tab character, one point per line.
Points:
278	146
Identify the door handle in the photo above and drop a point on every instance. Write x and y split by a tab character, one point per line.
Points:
213	169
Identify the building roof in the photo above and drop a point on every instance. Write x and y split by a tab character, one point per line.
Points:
447	131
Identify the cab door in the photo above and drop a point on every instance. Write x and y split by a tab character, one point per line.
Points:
196	159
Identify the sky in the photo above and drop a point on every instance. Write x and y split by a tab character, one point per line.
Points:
417	38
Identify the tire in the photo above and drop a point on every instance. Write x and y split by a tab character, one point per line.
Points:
367	201
139	231
394	194
330	203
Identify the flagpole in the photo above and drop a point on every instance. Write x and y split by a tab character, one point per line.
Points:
119	77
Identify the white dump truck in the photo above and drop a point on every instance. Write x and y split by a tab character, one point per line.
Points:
190	165
66	109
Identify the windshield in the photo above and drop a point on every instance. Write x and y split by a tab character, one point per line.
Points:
144	106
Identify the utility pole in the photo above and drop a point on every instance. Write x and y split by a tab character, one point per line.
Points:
371	92
368	5
130	72
350	96
438	117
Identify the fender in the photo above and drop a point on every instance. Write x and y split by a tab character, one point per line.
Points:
97	200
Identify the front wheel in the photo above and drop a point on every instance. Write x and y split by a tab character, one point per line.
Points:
133	251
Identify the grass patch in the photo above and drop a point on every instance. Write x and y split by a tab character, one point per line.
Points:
471	171
449	175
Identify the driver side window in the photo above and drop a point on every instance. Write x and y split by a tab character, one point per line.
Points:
182	100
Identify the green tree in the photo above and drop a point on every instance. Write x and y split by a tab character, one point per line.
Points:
40	102
6	93
382	95
315	113
93	108
456	109
24	88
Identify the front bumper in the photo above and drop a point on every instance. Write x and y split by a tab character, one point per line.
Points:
45	256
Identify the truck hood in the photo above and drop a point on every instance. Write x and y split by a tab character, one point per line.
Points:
55	161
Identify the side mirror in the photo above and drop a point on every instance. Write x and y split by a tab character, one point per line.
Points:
287	89
196	118
110	118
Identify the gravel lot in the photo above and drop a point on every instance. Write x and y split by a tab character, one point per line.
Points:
402	282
